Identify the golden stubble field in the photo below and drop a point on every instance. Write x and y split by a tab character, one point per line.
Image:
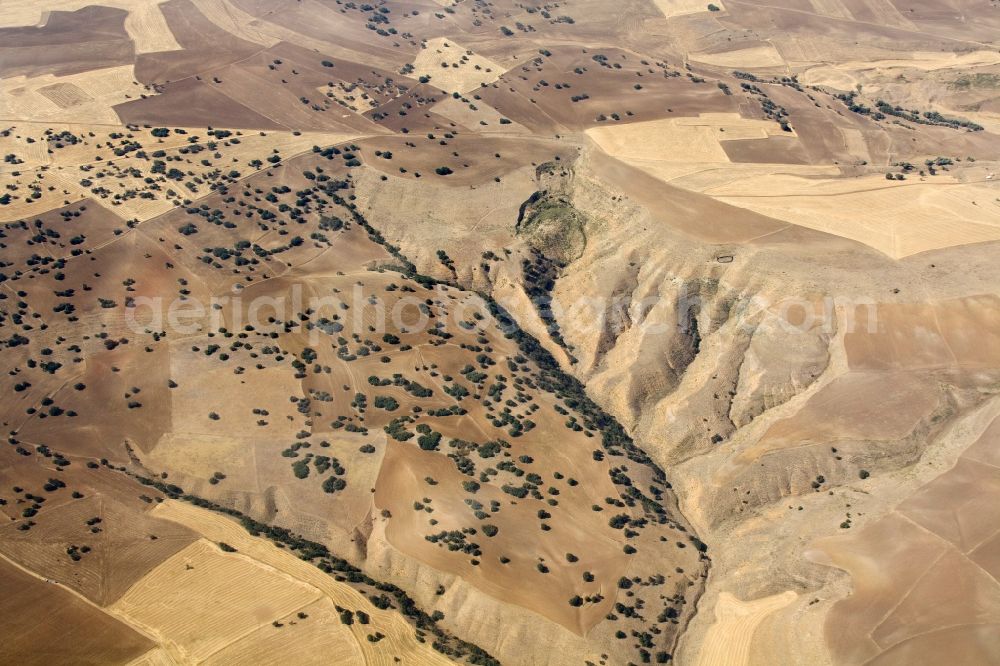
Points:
258	602
899	218
681	478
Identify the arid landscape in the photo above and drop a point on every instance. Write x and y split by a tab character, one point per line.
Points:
489	332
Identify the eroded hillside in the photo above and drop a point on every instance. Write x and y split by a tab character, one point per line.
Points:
333	391
533	333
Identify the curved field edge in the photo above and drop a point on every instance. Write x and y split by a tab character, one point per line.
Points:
341	570
615	441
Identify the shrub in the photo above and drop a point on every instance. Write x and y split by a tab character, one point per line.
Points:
429	441
385	402
333	484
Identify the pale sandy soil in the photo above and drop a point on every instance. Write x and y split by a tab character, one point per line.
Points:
845	75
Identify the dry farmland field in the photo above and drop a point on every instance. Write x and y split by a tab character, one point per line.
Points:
490	332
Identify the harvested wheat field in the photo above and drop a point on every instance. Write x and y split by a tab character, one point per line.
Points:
754	57
326	629
695	139
672	8
199	573
729	639
646	332
453	68
75	98
901	219
260	598
46	623
144	23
